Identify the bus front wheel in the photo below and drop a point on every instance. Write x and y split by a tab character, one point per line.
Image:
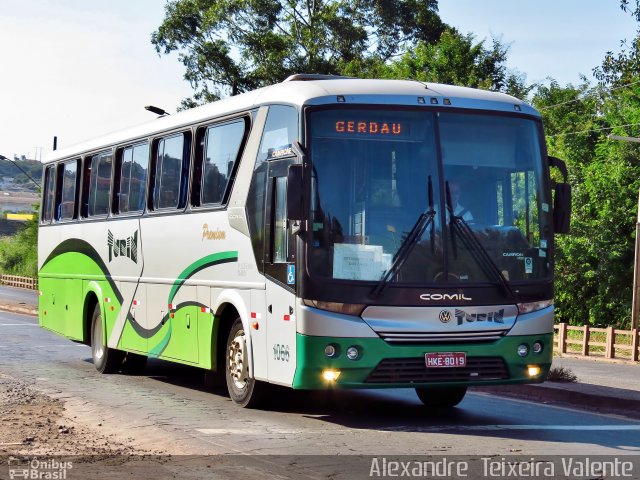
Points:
441	397
105	359
243	389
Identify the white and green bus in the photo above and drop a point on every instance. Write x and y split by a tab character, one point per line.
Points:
324	232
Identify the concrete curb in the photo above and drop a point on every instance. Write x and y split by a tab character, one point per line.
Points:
20	308
581	395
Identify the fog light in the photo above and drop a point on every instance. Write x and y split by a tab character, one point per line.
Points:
533	370
537	347
330	375
330	351
353	353
523	350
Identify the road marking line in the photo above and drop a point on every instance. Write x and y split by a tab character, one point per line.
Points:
417	428
584	428
244	431
19	325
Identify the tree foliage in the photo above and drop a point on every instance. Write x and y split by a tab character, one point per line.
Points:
457	59
594	264
232	46
19	253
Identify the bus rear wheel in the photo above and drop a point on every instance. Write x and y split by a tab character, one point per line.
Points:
105	359
441	397
243	389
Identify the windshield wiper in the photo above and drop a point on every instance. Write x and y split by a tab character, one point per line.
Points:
401	256
481	256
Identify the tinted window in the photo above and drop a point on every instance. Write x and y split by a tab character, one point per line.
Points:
223	144
68	197
280	131
133	178
170	172
100	184
48	199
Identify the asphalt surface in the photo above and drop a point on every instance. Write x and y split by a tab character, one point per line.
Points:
604	386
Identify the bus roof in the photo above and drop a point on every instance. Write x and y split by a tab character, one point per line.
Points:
300	90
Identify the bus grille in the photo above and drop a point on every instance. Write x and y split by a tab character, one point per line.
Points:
435	337
414	370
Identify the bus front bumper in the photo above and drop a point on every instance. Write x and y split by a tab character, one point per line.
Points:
383	365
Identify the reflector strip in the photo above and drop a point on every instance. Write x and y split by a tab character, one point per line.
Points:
205	310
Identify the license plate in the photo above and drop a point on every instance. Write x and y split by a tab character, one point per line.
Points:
445	359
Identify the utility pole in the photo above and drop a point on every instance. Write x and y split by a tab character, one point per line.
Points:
635	303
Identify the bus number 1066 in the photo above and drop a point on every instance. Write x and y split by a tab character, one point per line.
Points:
281	352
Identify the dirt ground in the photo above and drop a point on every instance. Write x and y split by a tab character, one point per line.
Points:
34	424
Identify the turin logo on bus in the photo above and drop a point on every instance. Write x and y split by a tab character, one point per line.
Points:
371	128
496	317
127	247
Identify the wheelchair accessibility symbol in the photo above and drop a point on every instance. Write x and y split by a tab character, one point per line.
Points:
291	274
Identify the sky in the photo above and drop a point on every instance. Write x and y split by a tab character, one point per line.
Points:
81	68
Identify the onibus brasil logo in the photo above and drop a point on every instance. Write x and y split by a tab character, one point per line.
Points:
127	247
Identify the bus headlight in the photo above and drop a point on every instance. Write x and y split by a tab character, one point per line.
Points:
353	353
330	351
533	306
523	350
344	308
330	375
533	370
537	347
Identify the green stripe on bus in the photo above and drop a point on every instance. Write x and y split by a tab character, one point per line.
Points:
205	262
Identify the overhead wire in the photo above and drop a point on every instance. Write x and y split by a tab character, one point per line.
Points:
594	93
594	130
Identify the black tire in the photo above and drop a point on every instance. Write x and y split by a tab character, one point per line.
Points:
105	359
134	364
243	389
441	397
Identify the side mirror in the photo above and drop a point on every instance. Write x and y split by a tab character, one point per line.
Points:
562	208
561	198
295	195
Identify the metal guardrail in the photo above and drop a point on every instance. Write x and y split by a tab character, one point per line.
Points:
17	281
604	343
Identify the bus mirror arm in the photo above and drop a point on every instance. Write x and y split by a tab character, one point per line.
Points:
561	199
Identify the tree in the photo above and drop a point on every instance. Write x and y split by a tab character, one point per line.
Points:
624	67
594	264
458	59
232	46
19	253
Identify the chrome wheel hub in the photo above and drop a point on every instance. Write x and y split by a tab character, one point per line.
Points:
238	368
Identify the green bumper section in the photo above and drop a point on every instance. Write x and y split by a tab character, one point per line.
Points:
384	365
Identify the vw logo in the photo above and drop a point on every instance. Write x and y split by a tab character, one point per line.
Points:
445	316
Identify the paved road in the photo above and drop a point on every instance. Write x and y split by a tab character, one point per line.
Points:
15	295
168	409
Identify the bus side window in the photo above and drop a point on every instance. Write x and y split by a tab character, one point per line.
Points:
48	198
171	171
223	144
280	131
130	178
68	181
100	184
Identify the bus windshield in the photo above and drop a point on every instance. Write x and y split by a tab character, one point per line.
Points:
377	172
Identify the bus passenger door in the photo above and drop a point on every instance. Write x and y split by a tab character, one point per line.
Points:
279	268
